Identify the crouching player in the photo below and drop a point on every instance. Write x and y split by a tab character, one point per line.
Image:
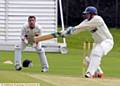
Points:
101	36
29	31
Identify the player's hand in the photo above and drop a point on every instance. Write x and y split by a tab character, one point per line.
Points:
68	31
56	34
35	39
24	39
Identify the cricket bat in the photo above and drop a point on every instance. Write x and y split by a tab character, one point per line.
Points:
46	37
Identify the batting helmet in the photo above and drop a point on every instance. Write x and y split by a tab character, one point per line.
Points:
27	63
91	10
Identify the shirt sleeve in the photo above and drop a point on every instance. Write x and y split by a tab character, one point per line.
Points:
40	29
23	32
81	27
88	25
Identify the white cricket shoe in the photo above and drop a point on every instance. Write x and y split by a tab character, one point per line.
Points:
18	67
45	69
98	75
88	75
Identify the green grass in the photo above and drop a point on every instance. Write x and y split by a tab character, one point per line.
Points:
61	64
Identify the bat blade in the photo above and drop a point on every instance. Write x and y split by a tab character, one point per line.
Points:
43	38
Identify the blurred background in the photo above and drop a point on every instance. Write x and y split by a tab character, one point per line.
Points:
108	9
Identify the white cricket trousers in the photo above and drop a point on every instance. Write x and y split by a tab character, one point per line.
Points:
41	52
98	51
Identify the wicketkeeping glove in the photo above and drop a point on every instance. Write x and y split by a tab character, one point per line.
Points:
24	39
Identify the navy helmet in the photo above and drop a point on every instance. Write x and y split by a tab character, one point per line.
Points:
27	63
91	10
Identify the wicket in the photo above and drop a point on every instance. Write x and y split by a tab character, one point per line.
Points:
87	47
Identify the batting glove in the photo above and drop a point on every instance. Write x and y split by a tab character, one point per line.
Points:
68	31
56	34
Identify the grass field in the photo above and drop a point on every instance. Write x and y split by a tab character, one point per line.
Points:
65	69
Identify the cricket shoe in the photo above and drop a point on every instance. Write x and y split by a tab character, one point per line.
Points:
88	75
44	69
99	75
18	67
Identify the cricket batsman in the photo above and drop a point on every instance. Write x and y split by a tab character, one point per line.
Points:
101	35
29	31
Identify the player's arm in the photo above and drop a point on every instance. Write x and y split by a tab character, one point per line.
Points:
24	36
67	32
76	29
84	25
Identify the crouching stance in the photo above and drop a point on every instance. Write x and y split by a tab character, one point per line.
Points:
101	36
29	31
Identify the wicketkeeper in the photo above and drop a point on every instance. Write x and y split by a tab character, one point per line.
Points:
29	31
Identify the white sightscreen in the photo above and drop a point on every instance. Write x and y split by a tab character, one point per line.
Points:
14	13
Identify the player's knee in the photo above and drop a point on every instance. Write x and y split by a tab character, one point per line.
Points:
97	52
41	50
17	47
87	60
